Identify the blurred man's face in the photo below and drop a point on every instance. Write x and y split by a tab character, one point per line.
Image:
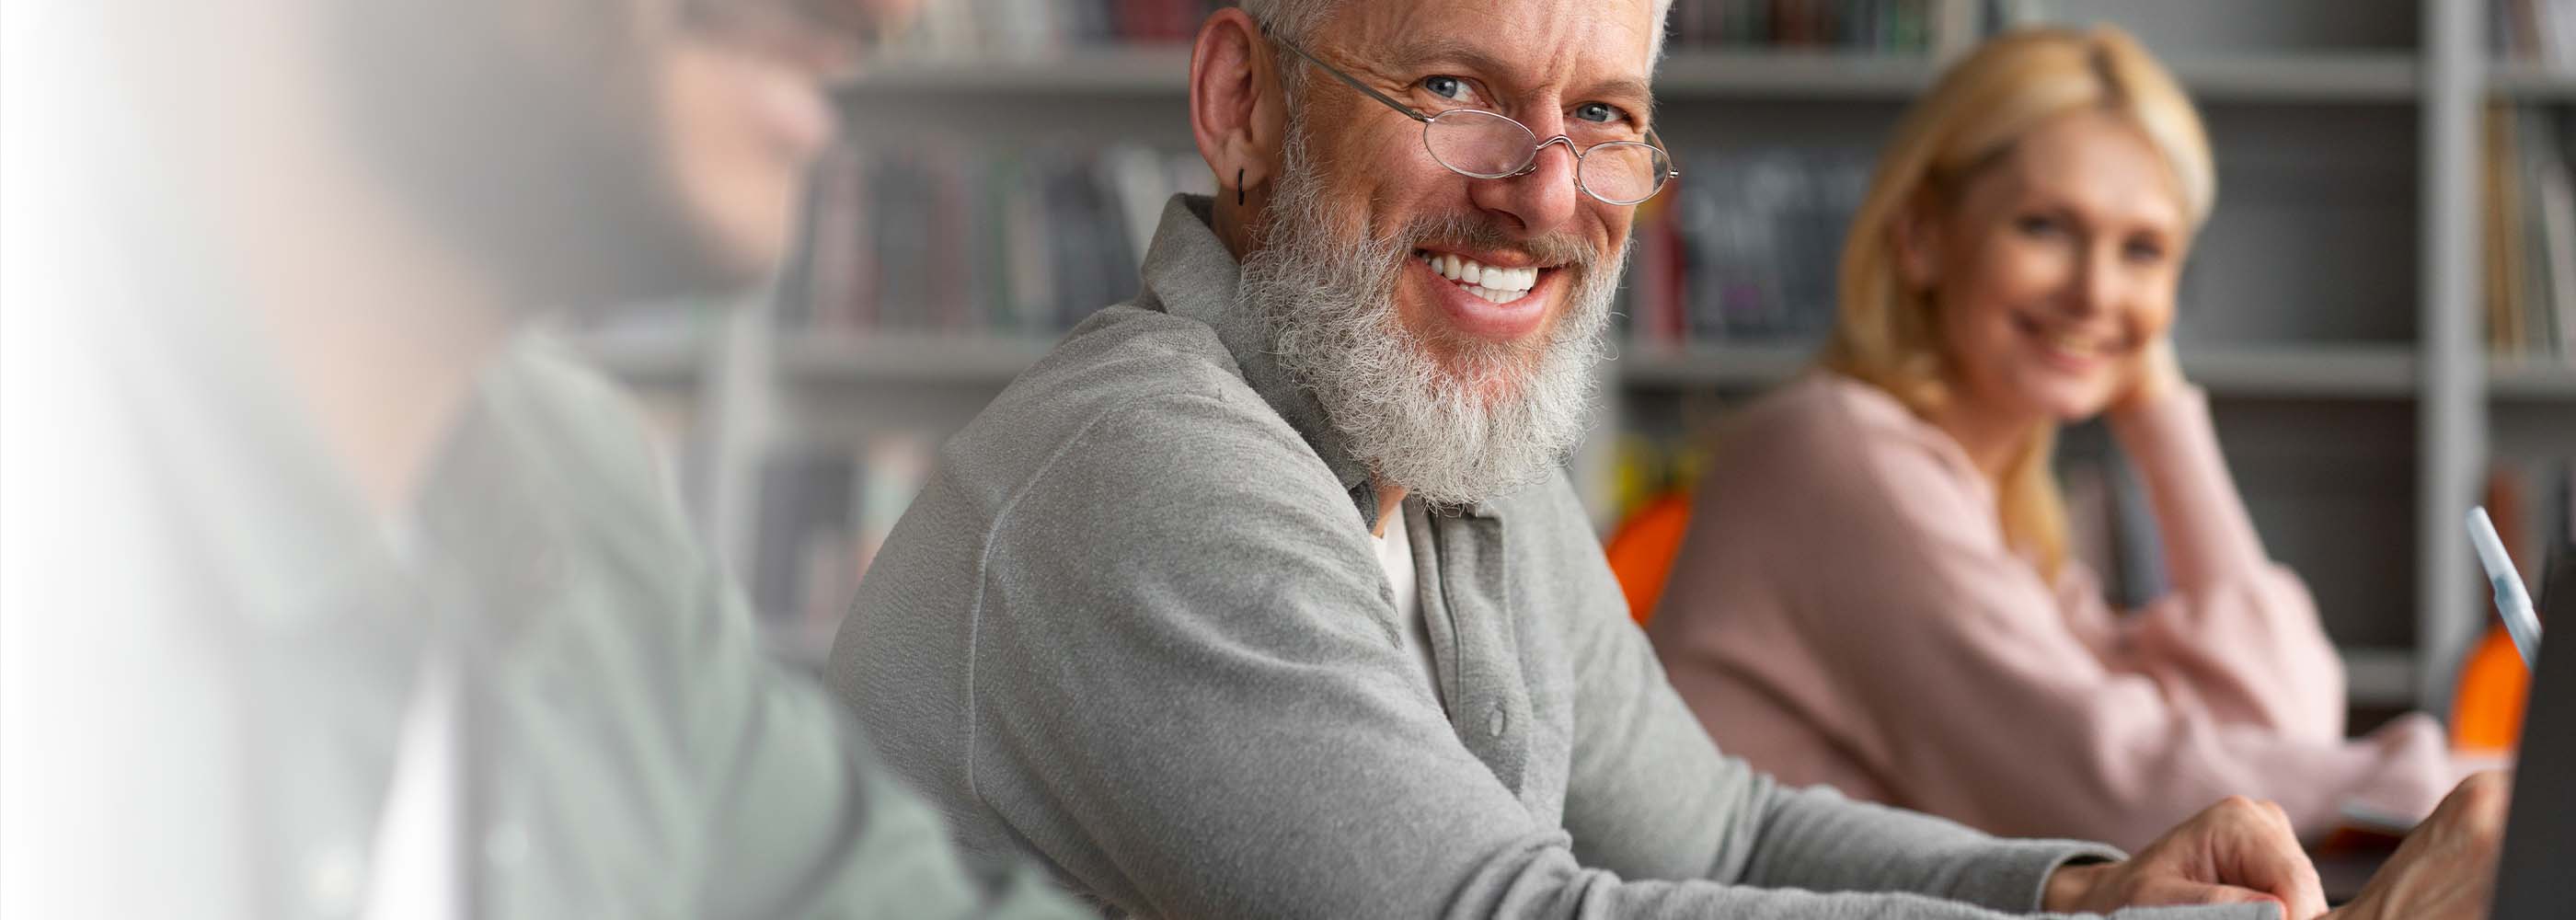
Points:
595	152
743	113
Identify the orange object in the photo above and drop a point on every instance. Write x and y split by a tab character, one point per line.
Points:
2486	710
1641	550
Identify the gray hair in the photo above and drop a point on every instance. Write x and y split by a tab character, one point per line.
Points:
1297	20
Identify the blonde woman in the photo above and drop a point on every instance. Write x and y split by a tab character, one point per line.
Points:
1876	592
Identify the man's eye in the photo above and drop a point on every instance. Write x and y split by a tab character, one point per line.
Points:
2037	225
1600	113
1445	87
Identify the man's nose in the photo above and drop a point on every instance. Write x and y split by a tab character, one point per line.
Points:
1542	199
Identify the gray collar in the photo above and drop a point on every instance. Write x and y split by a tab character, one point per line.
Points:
1189	273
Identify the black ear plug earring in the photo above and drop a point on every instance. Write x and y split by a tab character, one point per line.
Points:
1238	188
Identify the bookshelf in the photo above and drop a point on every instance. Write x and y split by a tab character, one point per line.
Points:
2519	391
909	358
2531	82
2333	311
2314	372
1081	73
2532	380
2379	677
1686	74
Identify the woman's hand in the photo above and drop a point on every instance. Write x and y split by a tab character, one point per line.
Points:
2446	869
2153	374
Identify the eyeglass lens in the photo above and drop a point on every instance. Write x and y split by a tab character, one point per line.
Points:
1485	145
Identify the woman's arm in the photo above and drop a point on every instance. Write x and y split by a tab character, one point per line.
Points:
1875	594
1996	711
2238	635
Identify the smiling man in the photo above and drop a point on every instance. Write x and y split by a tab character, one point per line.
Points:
1263	596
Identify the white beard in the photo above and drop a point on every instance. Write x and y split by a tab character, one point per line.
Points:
1491	419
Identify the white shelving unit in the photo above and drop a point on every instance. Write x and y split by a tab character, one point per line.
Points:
2531	379
2530	83
1076	72
2450	416
2380	676
909	358
2399	349
2319	372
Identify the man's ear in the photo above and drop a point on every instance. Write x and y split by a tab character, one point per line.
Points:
1915	231
1237	113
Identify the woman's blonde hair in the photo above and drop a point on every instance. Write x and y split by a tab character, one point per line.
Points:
1888	333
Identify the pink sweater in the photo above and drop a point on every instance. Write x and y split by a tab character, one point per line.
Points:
1845	611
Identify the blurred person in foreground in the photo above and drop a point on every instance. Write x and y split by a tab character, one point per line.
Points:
1263	595
333	593
1876	593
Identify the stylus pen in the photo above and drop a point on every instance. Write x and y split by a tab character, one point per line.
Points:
2511	600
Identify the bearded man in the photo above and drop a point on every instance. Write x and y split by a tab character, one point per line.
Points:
1263	595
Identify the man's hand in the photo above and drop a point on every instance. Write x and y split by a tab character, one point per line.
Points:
2236	852
2446	869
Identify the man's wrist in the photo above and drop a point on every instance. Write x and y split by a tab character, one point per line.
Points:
2068	886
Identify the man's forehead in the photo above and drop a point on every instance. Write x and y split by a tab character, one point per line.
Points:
1530	41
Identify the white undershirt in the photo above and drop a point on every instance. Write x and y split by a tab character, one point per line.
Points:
1395	555
416	876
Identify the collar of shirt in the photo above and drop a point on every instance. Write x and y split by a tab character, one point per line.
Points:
260	512
247	497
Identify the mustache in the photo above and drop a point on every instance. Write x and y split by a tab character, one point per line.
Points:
1557	249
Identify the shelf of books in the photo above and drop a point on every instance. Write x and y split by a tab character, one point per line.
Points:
1732	277
2358	371
823	507
1157	70
1723	366
1797	49
954	246
2323	77
2525	208
2528	203
2533	47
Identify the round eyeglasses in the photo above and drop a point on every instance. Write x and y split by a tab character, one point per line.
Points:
1488	145
1484	145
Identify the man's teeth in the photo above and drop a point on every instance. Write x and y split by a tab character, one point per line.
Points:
1500	285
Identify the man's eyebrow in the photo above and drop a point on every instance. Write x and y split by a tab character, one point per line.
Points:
1424	51
1626	89
1421	51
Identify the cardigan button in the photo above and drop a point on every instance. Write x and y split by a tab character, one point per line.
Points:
1494	723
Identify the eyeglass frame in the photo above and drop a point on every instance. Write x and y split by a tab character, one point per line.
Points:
1651	140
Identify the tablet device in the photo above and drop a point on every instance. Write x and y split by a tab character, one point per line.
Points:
2540	832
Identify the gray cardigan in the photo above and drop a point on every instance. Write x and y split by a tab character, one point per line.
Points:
1133	627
